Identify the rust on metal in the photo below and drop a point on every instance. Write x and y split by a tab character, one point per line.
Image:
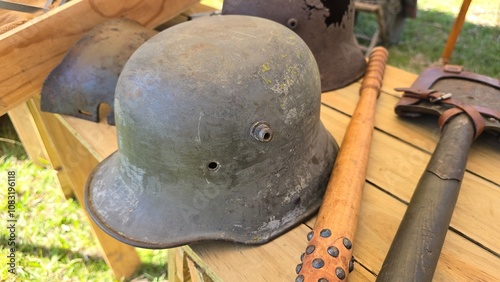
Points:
327	27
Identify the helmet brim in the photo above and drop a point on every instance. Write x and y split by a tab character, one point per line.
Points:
144	217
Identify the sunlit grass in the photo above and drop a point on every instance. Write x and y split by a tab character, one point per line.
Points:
53	239
424	38
481	12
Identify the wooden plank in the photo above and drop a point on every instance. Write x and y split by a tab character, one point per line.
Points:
172	267
461	260
275	261
397	166
180	261
198	9
79	162
186	15
195	273
29	135
36	142
484	158
208	273
54	158
98	138
29	52
395	77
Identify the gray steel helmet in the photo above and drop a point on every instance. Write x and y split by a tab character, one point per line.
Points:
327	26
88	74
219	137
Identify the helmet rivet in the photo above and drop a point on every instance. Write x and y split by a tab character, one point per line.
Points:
262	132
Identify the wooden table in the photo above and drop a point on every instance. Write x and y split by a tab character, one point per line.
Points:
400	151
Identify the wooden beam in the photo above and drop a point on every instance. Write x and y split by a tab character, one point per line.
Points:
29	52
37	142
29	135
53	155
178	270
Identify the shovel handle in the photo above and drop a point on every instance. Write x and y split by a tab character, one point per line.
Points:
415	250
328	256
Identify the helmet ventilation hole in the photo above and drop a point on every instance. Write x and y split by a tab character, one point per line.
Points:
292	23
262	131
213	166
87	113
266	136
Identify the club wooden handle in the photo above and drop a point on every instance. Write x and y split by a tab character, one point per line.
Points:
328	256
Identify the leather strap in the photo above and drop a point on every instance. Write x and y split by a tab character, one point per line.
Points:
473	114
434	96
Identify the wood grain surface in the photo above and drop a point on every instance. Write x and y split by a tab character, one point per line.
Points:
29	52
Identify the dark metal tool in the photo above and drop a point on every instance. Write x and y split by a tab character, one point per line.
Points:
87	76
467	104
20	7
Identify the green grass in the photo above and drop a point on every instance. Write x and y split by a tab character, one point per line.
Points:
10	145
54	238
54	241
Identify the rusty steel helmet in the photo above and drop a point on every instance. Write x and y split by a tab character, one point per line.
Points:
327	26
219	137
88	74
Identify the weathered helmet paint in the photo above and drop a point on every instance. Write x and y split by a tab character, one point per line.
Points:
219	137
88	74
327	26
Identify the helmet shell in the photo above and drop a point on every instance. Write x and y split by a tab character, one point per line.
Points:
88	74
327	26
219	137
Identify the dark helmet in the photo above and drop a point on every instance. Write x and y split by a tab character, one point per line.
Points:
88	74
327	26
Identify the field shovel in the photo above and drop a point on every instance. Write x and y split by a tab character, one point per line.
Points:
467	104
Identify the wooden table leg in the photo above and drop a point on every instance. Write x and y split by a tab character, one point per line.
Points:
177	265
37	143
182	267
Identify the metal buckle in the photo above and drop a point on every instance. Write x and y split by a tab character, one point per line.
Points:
443	96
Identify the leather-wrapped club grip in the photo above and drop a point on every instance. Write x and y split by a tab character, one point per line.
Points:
328	255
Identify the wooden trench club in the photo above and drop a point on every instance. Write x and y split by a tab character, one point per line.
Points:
328	255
